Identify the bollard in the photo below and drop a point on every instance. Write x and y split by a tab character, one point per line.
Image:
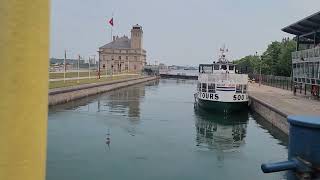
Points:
303	151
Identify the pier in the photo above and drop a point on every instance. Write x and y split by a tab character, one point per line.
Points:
179	76
275	104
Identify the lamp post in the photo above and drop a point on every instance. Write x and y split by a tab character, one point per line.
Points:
89	67
260	61
78	69
99	64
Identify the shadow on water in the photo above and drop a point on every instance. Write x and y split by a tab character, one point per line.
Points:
219	131
272	130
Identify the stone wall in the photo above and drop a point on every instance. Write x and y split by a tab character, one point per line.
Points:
271	114
63	95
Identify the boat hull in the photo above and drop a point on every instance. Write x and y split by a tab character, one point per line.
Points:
222	106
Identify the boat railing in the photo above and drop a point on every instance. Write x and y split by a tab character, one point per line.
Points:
218	78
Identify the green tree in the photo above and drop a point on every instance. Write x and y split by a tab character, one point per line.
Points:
276	60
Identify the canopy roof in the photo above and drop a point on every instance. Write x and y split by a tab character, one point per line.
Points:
305	27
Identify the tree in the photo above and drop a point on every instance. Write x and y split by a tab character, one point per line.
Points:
276	60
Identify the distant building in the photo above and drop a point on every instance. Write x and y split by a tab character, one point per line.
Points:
68	61
124	54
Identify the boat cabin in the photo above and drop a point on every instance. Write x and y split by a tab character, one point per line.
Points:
217	68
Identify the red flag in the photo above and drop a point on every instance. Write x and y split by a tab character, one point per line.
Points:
111	21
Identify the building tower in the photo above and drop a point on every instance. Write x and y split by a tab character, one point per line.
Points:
136	37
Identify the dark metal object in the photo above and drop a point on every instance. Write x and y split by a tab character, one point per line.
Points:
304	150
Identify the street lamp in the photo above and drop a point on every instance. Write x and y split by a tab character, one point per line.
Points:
99	52
260	61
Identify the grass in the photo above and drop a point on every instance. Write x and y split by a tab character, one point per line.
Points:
71	74
75	74
59	84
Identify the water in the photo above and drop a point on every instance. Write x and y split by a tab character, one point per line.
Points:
153	131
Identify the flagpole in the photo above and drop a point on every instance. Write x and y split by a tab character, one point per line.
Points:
89	67
111	28
64	66
78	69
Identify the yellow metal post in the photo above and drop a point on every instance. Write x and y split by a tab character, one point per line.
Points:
24	45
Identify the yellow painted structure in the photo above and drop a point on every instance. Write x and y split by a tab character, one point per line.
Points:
24	46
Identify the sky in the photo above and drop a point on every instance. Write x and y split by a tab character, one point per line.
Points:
180	32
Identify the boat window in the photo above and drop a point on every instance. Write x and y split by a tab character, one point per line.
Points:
216	67
206	69
239	88
204	87
231	68
224	67
211	88
244	88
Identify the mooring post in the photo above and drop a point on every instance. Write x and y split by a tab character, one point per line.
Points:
24	60
305	89
303	157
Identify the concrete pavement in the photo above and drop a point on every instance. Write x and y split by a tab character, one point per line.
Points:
284	100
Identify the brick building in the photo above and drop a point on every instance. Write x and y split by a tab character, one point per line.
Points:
124	54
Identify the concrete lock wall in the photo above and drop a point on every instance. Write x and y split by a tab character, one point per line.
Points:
271	114
64	95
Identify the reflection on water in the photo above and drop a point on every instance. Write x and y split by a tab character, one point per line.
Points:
152	131
219	131
124	101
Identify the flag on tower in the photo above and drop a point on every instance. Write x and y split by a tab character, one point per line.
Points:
111	21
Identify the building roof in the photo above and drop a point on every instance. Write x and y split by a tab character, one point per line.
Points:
306	26
119	43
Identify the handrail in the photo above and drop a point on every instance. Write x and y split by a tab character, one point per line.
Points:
307	53
218	78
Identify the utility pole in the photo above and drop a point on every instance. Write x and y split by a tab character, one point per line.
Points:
99	65
64	66
89	67
128	66
78	69
260	61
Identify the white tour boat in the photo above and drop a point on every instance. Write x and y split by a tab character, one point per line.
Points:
220	87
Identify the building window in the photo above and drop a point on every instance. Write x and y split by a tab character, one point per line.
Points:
126	57
112	57
135	67
135	58
119	57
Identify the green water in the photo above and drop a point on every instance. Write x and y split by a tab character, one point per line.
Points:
152	131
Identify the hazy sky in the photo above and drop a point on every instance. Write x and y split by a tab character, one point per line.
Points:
182	32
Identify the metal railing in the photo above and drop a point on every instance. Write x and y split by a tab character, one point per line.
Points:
218	78
305	54
274	81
